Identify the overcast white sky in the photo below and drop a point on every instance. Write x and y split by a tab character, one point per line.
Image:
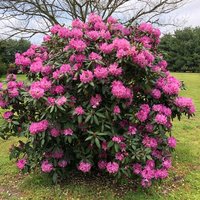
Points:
187	16
192	13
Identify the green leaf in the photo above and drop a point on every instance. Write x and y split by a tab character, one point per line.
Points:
55	177
88	118
15	122
100	115
89	138
97	143
80	119
110	144
96	120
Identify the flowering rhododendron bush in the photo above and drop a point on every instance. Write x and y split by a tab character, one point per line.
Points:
98	98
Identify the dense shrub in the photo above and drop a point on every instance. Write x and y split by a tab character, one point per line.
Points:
99	98
3	68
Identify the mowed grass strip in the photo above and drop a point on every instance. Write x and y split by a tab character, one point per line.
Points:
183	182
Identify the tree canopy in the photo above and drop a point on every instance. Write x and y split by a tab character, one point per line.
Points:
182	50
8	49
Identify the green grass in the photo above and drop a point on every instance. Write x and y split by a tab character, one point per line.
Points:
183	182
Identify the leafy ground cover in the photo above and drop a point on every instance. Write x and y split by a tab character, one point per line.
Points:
183	182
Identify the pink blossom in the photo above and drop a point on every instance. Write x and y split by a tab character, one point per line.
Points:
65	68
111	20
86	76
171	142
119	156
93	35
169	85
51	101
105	34
106	48
7	114
149	128
100	72
161	173
68	132
120	91
84	166
117	139
116	110
95	100
167	163
62	163
150	164
58	154
61	101
46	166
94	56
13	92
36	92
132	130
156	93
146	183
187	103
55	132
77	23
59	89
79	110
112	167
147	173
149	142
143	113
36	67
55	28
94	18
46	38
76	33
102	164
137	168
146	27
121	44
78	45
161	119
104	145
21	163
56	74
37	127
115	70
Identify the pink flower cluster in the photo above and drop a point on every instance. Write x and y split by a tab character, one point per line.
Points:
120	91
84	166
38	127
21	163
143	113
169	85
95	100
185	103
46	166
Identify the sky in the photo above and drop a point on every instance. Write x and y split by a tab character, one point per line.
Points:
192	13
186	16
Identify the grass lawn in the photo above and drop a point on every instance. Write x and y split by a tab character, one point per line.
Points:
183	182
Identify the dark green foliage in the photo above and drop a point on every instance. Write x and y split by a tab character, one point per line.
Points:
8	49
182	50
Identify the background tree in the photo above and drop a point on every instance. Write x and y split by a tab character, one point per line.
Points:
36	16
8	49
182	50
